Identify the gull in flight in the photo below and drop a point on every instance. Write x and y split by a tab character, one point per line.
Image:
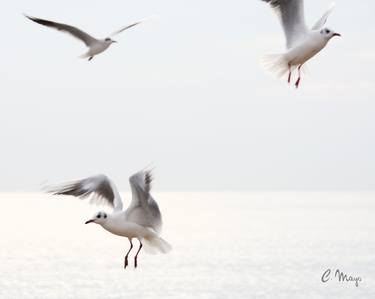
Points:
96	46
141	220
302	42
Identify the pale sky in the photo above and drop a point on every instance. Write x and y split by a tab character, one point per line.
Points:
185	92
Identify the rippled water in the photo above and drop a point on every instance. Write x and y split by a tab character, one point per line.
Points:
226	245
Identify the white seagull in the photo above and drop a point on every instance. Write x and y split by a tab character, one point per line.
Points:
141	220
96	46
302	42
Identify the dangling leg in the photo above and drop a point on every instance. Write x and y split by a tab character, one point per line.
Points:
290	72
299	76
91	57
135	258
126	256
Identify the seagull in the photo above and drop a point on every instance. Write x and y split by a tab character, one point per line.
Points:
96	46
302	42
141	220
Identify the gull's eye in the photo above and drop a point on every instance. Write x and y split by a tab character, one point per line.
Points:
327	31
98	216
105	216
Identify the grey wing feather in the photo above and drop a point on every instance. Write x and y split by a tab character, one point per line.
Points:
143	209
125	28
81	35
292	16
320	23
99	187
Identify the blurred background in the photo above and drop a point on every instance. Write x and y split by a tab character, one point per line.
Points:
262	187
185	91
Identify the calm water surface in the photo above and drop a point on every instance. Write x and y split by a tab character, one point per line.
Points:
225	245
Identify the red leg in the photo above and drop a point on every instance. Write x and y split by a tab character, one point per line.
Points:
126	256
299	76
135	258
290	72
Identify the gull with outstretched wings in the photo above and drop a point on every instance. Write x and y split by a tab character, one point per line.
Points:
96	46
302	42
141	220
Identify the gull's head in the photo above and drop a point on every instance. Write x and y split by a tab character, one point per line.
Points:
99	218
109	40
328	33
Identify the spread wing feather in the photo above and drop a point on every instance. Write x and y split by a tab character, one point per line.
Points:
143	208
99	187
292	16
77	33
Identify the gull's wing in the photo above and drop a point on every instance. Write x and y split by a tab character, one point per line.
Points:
292	16
318	25
77	33
125	28
143	209
99	186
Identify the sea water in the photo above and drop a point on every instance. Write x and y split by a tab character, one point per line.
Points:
225	245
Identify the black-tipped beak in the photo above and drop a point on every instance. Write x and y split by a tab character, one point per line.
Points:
336	34
89	221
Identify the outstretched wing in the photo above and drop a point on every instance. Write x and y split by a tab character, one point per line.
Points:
320	23
99	187
125	28
143	209
292	16
77	33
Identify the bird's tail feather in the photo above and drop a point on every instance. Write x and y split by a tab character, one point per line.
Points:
154	245
85	55
276	64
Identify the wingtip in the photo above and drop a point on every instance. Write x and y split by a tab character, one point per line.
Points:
145	19
29	17
44	186
50	190
149	167
332	6
149	172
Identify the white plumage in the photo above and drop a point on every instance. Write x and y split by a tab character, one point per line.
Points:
302	43
141	220
96	46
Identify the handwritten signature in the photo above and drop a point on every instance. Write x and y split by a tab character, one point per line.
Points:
341	277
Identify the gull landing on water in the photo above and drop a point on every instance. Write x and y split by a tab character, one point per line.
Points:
96	46
302	43
141	220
